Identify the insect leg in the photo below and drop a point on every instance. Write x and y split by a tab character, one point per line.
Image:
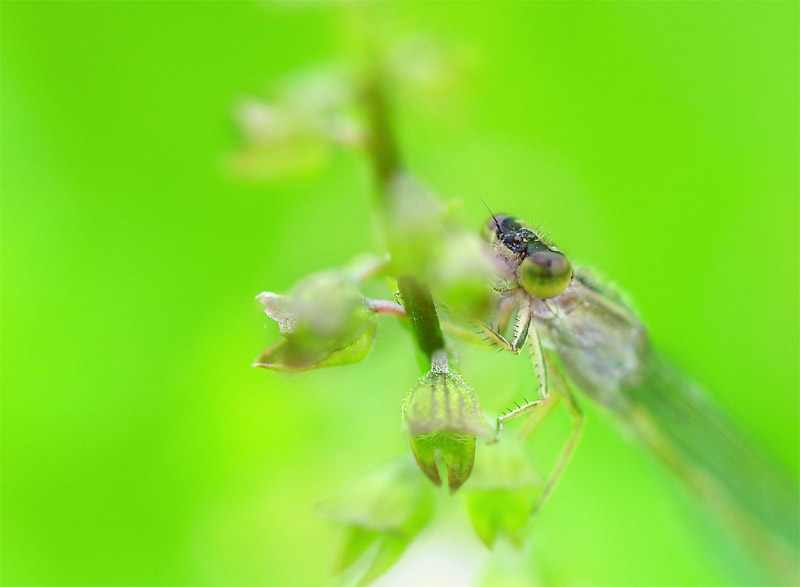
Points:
505	308
520	331
469	336
530	333
562	392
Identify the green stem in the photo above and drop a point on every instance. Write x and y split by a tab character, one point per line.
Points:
383	151
386	166
422	315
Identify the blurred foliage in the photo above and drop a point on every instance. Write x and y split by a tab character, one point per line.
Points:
657	141
428	242
325	322
502	491
294	131
384	509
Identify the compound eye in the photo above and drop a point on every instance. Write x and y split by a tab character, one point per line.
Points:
545	274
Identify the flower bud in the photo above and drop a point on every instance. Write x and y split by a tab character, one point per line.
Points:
294	132
324	322
427	242
443	416
462	276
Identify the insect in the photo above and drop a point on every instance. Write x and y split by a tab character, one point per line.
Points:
596	337
577	329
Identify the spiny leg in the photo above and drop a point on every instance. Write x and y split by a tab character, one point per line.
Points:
520	331
491	331
505	308
543	369
545	402
534	420
539	371
577	417
548	376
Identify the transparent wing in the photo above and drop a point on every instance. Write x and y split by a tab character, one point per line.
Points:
596	337
755	500
603	348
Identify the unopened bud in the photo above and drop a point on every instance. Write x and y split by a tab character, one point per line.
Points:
443	416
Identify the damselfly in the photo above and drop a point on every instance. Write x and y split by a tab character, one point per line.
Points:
572	325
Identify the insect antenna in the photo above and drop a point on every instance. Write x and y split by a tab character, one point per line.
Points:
498	230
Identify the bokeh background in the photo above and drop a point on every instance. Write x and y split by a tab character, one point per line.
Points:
657	142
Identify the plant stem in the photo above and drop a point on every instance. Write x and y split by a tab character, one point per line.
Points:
382	149
386	166
421	313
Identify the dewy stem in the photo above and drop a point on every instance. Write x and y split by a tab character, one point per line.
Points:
386	165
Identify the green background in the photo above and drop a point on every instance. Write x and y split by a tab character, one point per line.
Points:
656	142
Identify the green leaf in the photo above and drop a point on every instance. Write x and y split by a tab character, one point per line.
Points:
503	512
356	542
386	507
390	548
390	499
503	491
507	464
280	357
